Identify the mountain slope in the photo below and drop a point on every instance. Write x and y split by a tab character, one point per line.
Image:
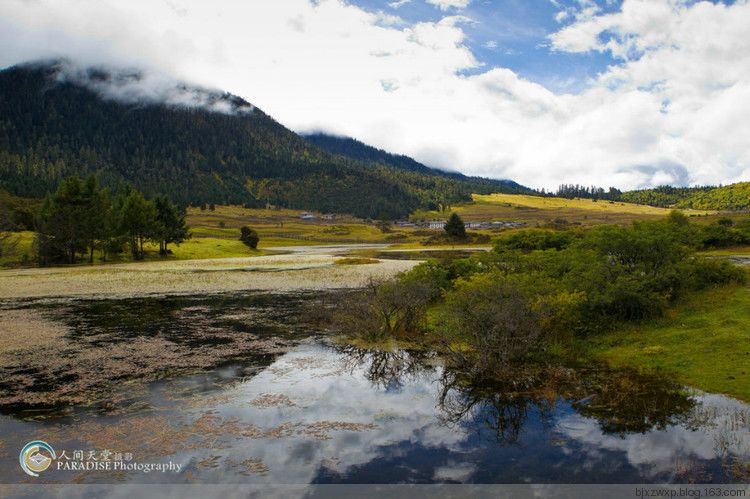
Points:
734	197
53	126
357	150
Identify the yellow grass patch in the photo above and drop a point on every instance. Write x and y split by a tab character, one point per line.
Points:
356	261
547	203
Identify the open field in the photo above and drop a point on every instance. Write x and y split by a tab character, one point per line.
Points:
315	269
215	233
282	227
17	248
540	211
705	342
552	203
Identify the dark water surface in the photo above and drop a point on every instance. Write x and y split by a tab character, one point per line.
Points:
283	404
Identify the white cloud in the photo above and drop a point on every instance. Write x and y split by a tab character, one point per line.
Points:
673	110
398	3
656	452
449	4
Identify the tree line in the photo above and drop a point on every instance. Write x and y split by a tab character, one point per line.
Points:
734	197
80	218
571	191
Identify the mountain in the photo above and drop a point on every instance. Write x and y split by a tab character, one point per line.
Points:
354	149
734	197
359	151
193	144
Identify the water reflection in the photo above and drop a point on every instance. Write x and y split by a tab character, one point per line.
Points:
319	413
388	369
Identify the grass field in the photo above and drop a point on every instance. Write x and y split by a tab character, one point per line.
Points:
705	342
215	233
540	211
546	203
281	227
18	248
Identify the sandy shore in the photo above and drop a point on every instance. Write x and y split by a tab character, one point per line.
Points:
303	270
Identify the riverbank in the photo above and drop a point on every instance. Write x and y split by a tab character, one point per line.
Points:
307	268
704	341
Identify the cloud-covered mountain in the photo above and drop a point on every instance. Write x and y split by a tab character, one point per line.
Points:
627	93
195	144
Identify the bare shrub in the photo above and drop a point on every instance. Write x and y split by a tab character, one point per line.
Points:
486	323
385	308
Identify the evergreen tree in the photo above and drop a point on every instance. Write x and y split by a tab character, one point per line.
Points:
63	222
455	227
170	224
138	222
94	216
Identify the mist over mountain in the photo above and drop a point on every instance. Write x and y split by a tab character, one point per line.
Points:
195	145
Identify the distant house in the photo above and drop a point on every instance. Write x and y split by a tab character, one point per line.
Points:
329	216
436	224
507	225
307	216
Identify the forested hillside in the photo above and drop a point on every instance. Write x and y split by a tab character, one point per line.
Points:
357	150
51	129
735	197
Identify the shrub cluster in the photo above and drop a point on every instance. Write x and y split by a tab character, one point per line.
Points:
493	308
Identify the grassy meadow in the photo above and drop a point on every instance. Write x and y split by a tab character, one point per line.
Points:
543	211
215	233
705	341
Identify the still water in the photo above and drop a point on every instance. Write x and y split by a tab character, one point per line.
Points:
293	407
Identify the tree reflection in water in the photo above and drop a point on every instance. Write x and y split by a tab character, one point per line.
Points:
622	401
386	368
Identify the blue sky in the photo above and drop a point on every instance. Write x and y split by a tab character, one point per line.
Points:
513	34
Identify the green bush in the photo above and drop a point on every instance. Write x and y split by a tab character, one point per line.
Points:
538	283
704	273
535	239
455	227
249	236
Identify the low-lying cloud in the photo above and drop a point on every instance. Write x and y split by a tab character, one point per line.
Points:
672	110
139	87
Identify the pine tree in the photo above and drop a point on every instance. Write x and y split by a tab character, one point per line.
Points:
170	224
137	221
455	227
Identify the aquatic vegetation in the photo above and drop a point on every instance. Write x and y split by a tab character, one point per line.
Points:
99	347
272	400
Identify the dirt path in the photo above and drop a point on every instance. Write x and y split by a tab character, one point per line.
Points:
303	268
